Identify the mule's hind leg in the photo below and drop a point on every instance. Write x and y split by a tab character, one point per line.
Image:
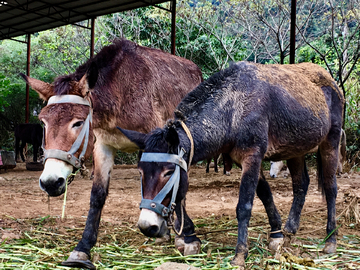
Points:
327	165
264	193
300	182
187	242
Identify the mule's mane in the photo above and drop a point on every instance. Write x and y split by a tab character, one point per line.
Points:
106	61
197	98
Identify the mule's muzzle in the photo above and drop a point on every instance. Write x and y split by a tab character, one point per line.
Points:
53	187
155	230
152	224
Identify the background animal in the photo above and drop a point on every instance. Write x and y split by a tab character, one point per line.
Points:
27	133
277	166
250	111
124	85
227	162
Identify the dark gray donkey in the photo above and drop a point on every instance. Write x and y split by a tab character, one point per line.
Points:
250	112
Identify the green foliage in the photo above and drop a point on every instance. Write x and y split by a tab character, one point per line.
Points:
210	33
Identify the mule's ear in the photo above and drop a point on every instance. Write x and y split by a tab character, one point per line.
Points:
88	81
172	138
45	90
136	137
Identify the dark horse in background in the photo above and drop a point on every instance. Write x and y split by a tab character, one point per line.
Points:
27	133
124	85
251	112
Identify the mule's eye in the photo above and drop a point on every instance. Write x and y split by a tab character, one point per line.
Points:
78	124
169	173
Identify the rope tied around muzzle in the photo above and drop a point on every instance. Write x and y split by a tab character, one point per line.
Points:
155	204
69	156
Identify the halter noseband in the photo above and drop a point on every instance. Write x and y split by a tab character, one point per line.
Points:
68	156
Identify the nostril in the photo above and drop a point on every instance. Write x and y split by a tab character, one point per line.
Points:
60	182
153	230
150	231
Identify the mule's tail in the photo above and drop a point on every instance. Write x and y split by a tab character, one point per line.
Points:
320	172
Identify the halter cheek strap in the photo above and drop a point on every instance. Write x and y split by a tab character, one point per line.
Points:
68	156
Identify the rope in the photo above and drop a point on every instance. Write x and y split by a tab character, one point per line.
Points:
188	133
182	221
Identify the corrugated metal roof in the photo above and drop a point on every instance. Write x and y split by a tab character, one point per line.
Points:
20	17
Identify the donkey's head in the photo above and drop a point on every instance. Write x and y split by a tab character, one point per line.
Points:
164	181
68	136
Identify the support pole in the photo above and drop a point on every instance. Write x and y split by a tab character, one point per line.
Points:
27	110
173	24
92	43
292	31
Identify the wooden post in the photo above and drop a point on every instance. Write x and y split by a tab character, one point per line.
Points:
292	31
27	110
173	24
92	43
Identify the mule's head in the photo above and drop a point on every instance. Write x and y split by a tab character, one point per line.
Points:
66	116
161	163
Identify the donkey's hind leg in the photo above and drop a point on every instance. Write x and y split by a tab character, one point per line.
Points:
186	241
300	182
264	193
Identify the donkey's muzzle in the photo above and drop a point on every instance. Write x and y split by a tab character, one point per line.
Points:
53	187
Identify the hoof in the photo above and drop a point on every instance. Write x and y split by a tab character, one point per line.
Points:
79	259
192	248
180	244
275	243
329	248
187	248
239	260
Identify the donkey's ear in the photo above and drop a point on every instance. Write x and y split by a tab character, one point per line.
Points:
45	90
172	138
136	137
88	81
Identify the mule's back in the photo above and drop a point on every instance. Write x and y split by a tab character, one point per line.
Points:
289	107
137	87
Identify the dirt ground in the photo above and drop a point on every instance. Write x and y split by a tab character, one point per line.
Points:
212	194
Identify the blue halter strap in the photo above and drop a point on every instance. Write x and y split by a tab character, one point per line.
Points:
173	183
68	156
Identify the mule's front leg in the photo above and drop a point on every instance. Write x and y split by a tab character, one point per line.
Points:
104	159
264	193
249	180
185	241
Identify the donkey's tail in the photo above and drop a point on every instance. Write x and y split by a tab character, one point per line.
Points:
320	172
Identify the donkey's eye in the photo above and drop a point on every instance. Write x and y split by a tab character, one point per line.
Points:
78	124
169	173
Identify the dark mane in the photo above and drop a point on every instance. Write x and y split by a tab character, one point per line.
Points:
199	97
106	61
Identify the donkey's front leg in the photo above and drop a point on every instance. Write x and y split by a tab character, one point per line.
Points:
185	241
104	159
249	180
